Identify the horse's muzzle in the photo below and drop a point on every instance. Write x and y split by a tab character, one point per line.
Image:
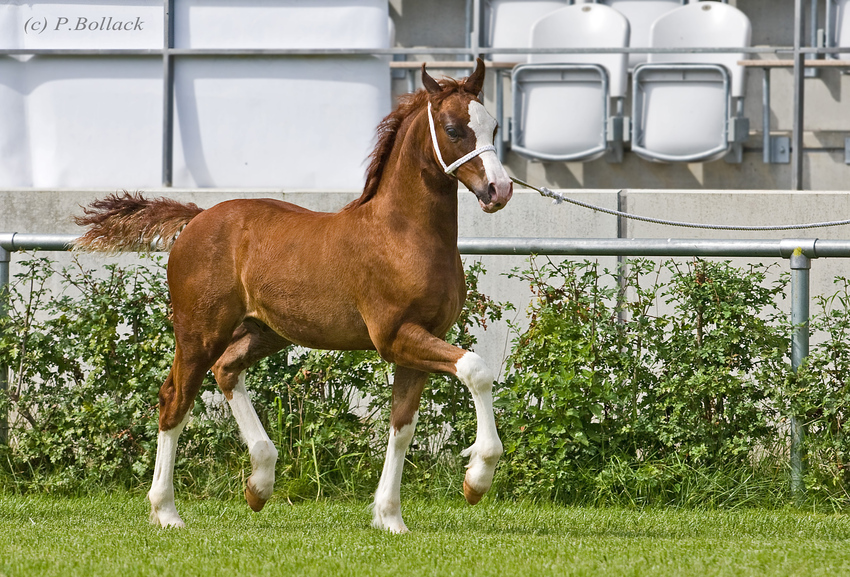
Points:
496	196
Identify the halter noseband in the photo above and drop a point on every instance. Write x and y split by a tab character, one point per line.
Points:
463	159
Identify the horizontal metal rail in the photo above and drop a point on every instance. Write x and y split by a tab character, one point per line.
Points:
393	51
655	247
650	247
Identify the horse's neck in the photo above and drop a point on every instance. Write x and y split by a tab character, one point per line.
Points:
414	188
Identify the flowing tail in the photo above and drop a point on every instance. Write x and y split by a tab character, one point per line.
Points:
130	222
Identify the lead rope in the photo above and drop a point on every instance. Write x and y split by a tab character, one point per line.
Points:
559	198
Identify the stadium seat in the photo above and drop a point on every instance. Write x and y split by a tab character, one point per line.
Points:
641	14
562	102
509	24
686	107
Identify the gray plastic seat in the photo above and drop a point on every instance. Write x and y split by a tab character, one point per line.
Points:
842	24
641	15
509	24
686	106
562	102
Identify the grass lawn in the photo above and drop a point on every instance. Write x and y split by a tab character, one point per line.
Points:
109	535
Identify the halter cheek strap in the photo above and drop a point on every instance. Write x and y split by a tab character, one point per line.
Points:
463	159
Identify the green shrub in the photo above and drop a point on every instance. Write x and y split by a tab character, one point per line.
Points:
820	395
609	402
87	365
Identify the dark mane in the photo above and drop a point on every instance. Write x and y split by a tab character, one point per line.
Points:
408	105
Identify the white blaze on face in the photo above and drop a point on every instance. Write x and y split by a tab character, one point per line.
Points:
484	125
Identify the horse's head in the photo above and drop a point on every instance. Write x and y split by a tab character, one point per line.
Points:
462	134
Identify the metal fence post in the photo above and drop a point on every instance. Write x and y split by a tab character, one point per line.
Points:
5	257
800	265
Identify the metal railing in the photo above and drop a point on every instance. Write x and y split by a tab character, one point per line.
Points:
799	253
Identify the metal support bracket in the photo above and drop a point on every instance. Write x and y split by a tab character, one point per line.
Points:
739	131
618	133
778	149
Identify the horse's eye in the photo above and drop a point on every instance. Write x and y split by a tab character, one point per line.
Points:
450	130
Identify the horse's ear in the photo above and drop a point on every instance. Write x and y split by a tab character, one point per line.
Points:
475	82
431	85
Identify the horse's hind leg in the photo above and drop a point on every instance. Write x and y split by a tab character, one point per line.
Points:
176	397
161	494
407	390
251	342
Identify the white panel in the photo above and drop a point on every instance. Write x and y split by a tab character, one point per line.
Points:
295	123
240	122
96	24
281	24
81	122
14	140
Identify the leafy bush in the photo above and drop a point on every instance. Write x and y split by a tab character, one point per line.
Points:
86	367
820	394
608	402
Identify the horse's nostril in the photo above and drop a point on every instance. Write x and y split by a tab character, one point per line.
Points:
491	190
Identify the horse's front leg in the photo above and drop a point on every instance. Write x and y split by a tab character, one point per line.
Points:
485	452
413	346
407	390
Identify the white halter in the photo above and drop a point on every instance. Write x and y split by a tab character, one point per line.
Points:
463	159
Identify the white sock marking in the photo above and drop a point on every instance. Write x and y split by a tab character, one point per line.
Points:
485	452
161	495
260	447
387	506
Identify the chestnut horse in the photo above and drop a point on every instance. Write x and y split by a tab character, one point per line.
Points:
250	277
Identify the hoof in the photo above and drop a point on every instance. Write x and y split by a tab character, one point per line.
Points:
386	515
472	496
166	519
254	501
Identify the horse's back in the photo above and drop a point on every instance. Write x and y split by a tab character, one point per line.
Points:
227	222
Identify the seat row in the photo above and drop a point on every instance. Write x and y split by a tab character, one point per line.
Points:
685	106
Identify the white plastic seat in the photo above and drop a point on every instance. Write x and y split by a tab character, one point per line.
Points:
562	101
686	106
509	24
641	15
